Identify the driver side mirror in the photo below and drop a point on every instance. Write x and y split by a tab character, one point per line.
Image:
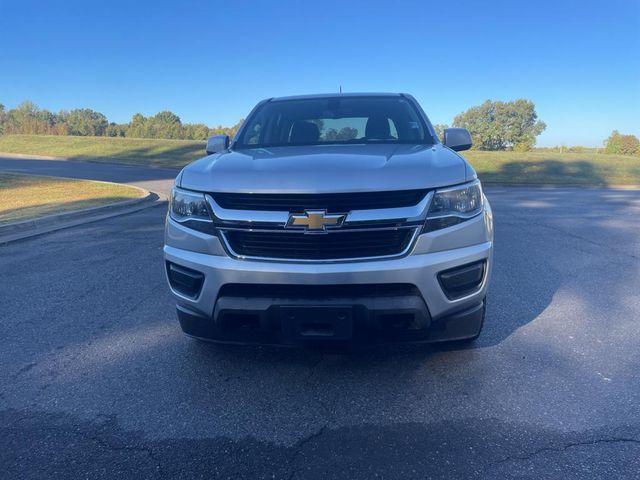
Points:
457	139
217	143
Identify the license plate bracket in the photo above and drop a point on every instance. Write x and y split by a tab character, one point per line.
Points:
317	322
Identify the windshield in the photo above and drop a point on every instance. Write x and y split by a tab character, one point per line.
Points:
334	120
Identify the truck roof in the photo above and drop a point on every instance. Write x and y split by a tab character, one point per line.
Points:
334	95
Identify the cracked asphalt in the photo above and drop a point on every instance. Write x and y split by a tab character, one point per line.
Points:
97	380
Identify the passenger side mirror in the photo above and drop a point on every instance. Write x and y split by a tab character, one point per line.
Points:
457	139
217	143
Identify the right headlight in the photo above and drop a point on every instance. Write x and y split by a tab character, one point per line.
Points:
454	205
191	210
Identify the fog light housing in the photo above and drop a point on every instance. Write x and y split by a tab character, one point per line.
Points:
461	281
184	280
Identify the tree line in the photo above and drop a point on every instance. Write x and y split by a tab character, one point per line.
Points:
27	118
494	125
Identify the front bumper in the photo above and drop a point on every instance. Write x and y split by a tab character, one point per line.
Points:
261	291
275	324
436	317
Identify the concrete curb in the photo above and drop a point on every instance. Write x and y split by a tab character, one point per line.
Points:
28	156
50	223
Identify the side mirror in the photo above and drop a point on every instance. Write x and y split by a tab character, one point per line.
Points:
457	139
217	143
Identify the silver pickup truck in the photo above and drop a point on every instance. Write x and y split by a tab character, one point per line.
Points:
331	218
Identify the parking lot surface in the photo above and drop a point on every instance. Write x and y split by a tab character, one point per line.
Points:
97	380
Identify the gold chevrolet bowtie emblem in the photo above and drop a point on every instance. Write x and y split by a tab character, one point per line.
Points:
315	220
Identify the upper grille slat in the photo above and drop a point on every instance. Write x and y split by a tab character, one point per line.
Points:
332	202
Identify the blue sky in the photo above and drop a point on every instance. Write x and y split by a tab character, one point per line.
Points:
210	62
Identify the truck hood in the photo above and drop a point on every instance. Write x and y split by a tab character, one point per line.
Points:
327	169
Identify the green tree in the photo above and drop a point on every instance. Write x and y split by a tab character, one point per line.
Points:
137	128
345	133
115	130
3	118
231	131
622	144
502	125
60	126
165	124
195	131
440	128
86	122
27	118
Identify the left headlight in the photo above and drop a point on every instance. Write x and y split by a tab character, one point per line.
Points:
190	209
454	205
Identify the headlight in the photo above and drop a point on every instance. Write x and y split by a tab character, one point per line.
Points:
190	209
454	205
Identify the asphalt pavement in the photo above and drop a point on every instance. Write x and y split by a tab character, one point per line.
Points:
97	380
152	179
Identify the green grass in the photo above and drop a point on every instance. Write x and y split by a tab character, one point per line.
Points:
542	166
24	197
134	151
549	167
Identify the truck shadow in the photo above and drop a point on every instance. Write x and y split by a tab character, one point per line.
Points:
174	157
540	172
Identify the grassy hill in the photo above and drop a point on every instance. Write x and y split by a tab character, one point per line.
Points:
551	167
137	151
536	167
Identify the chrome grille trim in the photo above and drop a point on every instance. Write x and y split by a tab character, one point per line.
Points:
410	217
278	219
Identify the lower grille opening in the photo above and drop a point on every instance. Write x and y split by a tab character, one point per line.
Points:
337	245
184	280
397	321
240	321
461	281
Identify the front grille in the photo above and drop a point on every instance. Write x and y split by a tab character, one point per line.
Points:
337	245
332	202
